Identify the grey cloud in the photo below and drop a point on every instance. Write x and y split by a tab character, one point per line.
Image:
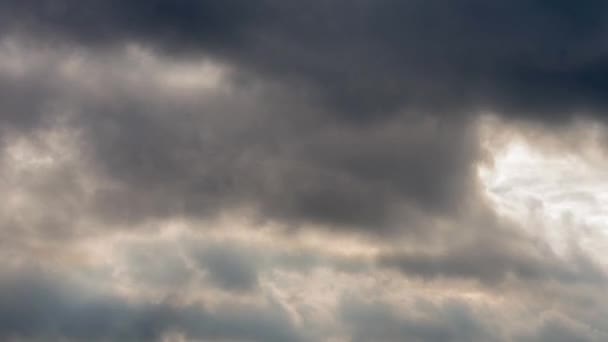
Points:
496	261
231	269
157	264
369	58
562	329
354	116
453	322
297	185
157	154
173	155
238	266
110	22
235	267
459	321
36	305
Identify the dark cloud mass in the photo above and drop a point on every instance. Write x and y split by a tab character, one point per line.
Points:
369	58
294	171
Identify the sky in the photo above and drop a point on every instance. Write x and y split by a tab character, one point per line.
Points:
303	171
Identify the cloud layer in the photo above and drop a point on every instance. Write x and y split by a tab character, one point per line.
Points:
273	171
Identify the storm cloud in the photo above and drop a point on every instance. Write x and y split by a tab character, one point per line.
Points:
368	58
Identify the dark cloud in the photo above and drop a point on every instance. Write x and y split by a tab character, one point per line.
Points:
369	58
35	305
427	322
229	268
158	154
353	117
456	321
498	260
352	61
114	22
556	328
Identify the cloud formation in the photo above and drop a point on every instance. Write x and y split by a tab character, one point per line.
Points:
274	171
369	57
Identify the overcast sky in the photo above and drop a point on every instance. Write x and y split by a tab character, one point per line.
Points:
322	170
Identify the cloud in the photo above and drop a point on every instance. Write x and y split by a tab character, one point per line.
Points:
451	321
497	261
229	268
37	305
156	153
311	127
455	321
370	58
